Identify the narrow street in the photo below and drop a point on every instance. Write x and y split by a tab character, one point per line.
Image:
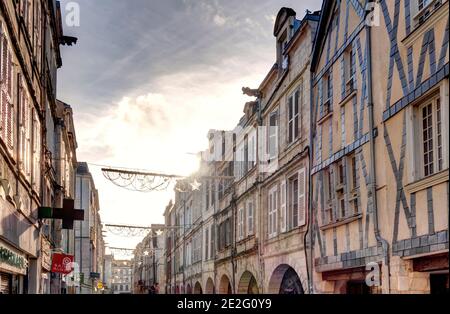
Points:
200	147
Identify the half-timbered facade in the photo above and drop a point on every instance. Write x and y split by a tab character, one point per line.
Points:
379	154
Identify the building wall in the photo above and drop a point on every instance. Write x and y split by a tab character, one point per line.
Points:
89	245
235	177
28	65
401	216
122	281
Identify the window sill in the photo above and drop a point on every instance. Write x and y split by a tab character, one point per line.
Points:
325	117
341	222
348	97
427	182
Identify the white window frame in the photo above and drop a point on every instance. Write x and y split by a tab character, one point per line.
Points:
302	194
272	212
250	218
283	206
291	196
419	122
240	223
207	235
252	149
294	122
272	135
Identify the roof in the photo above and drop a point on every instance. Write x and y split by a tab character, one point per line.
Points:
319	41
282	16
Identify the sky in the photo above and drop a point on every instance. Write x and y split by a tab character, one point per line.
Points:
147	79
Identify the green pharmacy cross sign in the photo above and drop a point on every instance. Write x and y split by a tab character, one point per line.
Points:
68	213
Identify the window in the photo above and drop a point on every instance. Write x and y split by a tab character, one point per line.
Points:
25	131
252	149
349	70
250	222
425	8
272	212
213	192
302	197
240	226
342	206
283	213
207	191
341	170
228	232
240	161
206	243
327	88
197	248
293	119
273	135
423	3
6	96
430	117
212	239
293	202
121	287
354	172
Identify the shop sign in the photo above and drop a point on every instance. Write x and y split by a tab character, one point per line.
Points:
46	254
11	260
62	263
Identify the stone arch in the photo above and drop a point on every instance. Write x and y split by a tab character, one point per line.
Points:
248	284
225	285
188	289
285	280
209	287
198	288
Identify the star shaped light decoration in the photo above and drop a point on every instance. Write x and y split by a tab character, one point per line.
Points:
196	185
146	253
159	232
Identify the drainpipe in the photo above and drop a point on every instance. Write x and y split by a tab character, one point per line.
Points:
308	235
233	235
373	191
260	216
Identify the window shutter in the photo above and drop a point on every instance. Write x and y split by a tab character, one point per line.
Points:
250	218
283	212
302	197
298	122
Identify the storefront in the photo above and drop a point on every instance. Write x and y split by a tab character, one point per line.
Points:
13	270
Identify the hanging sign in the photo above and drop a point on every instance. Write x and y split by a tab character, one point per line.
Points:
62	263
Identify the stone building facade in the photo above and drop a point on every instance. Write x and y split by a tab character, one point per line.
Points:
149	261
89	242
122	277
246	221
30	35
339	168
379	220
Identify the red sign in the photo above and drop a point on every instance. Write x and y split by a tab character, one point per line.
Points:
62	263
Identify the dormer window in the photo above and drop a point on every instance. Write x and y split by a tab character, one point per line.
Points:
283	60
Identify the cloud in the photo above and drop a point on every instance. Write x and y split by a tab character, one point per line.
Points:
148	81
219	20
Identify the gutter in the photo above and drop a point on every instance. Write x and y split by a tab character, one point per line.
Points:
373	183
309	225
